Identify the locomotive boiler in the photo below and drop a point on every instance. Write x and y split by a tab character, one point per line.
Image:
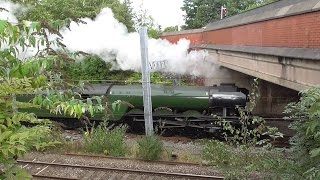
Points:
174	106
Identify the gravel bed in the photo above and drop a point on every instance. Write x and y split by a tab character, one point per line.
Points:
115	163
86	174
178	145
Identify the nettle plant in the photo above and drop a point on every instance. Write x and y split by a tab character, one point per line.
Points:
22	132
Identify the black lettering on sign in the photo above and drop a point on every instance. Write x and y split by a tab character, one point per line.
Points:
157	65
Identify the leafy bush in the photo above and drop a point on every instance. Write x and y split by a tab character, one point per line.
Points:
90	68
306	142
104	140
251	128
239	161
93	68
19	78
150	148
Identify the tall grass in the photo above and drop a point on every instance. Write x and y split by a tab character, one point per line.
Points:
101	139
150	148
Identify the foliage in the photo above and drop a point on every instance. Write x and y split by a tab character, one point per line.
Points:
171	29
239	162
306	142
244	135
105	140
48	10
156	78
259	4
143	18
19	79
150	148
95	70
250	129
90	68
154	33
201	12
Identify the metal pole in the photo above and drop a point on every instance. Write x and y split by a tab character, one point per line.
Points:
146	82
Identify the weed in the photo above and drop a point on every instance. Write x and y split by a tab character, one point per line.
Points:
150	148
104	140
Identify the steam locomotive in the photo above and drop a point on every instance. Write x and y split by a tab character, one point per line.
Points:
173	106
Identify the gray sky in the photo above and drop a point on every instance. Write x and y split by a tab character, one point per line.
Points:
165	12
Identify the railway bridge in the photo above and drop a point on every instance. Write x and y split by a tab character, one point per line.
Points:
278	43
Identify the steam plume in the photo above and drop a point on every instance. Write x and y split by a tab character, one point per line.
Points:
7	14
109	39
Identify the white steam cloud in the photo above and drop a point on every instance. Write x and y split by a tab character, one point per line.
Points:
108	38
7	14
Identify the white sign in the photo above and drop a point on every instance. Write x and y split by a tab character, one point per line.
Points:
157	65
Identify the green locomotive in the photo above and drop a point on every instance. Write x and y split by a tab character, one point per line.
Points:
173	106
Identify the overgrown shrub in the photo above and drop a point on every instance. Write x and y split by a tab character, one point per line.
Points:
104	140
306	142
150	148
238	161
94	69
90	68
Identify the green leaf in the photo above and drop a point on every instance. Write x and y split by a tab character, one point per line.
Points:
32	40
315	152
5	135
3	25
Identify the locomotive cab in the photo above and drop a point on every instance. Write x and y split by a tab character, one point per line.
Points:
224	99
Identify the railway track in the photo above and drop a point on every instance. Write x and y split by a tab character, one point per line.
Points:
139	160
57	169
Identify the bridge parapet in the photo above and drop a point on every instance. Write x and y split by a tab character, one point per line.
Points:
279	43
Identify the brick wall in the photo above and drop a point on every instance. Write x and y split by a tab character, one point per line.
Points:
195	38
299	31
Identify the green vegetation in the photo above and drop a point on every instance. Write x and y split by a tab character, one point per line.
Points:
32	76
251	128
94	69
200	12
52	71
171	29
239	158
306	142
240	162
51	10
105	140
150	148
15	79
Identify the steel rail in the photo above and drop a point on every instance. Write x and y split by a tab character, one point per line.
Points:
195	176
142	160
53	177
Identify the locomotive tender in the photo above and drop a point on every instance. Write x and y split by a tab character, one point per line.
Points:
174	106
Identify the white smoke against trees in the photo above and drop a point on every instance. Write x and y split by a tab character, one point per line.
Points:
108	38
7	12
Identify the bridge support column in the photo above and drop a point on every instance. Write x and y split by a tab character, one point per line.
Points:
274	98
